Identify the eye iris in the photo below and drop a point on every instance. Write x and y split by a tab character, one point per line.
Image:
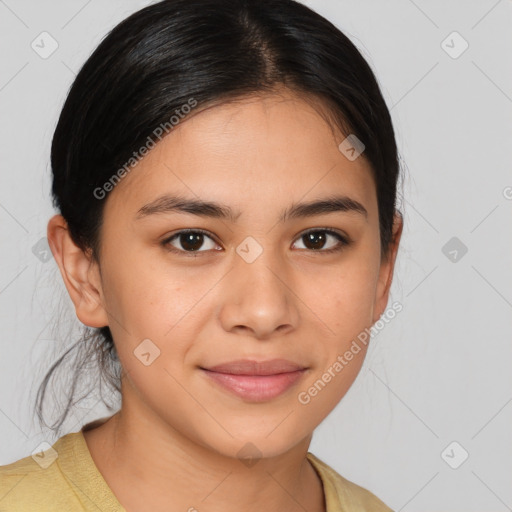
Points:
191	241
317	238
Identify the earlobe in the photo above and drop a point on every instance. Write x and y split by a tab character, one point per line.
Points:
79	272
387	268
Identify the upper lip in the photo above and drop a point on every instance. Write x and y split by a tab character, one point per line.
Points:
252	367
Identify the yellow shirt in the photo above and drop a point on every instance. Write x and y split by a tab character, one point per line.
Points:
68	480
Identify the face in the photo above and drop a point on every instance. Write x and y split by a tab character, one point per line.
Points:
255	278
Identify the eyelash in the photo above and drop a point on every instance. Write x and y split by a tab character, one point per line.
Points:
344	241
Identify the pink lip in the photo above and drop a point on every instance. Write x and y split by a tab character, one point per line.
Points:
256	381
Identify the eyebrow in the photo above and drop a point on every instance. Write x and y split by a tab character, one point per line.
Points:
170	203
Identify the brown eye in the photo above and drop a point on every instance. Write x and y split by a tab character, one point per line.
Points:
318	240
189	241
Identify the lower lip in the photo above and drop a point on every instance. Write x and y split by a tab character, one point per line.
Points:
256	388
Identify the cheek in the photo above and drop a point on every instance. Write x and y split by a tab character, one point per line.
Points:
343	297
136	283
168	306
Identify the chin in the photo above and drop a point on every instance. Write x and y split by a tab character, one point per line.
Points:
250	448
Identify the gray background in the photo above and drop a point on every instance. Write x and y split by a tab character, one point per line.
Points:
440	371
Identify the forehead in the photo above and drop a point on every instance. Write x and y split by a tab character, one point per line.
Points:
261	149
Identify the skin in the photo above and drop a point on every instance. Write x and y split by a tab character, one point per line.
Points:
174	443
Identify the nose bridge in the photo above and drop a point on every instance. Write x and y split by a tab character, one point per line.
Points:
259	266
259	298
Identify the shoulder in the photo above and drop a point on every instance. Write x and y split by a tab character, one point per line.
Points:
36	482
342	494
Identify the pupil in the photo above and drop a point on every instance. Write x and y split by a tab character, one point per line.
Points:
318	239
192	241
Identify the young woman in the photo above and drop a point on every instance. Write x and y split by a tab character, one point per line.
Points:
225	173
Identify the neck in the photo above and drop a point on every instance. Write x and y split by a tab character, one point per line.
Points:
151	466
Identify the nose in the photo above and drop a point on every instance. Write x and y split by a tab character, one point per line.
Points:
259	299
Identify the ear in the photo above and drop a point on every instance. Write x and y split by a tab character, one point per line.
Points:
387	267
80	274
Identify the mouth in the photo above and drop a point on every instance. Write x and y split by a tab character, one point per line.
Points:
256	381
